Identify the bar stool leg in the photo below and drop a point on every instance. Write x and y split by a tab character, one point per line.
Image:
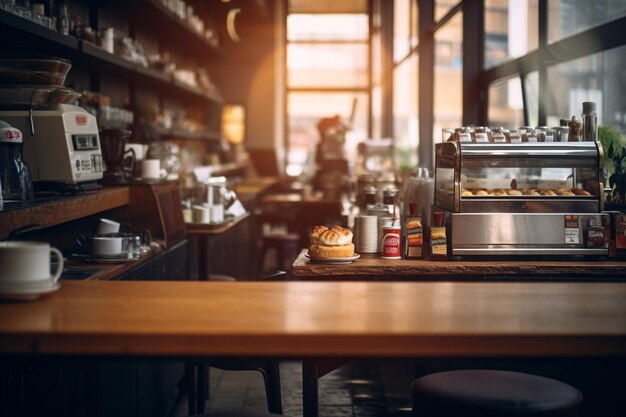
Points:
202	386
309	388
191	387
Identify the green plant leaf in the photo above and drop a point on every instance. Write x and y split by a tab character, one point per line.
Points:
612	179
610	151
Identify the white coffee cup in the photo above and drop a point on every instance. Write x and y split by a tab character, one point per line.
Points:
108	226
217	213
140	150
28	261
107	246
201	214
151	169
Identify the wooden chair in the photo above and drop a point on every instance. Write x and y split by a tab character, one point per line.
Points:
197	372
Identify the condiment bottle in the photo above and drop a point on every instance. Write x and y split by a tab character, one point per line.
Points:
414	242
370	197
389	200
481	134
391	242
590	121
438	240
575	127
63	19
514	136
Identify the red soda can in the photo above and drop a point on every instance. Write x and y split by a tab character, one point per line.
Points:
391	243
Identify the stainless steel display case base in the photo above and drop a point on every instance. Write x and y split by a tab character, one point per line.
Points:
528	234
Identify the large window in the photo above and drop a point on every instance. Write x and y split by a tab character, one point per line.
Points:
448	99
405	92
327	75
511	29
564	52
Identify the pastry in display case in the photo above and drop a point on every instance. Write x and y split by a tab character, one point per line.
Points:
522	198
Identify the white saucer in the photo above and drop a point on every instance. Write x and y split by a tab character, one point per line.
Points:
333	261
26	291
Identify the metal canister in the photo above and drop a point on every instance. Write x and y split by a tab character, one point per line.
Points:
391	243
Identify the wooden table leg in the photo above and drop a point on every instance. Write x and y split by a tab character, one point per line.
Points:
309	388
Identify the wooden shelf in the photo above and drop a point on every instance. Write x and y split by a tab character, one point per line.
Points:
50	212
181	134
71	48
178	31
49	37
118	64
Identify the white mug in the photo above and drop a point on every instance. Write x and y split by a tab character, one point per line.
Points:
108	226
151	169
28	261
217	213
107	246
140	150
201	214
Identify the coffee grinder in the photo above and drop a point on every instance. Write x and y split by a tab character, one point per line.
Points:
113	150
61	146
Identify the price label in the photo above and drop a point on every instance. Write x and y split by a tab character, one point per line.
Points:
572	232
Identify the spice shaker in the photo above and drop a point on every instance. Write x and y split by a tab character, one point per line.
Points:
590	121
575	126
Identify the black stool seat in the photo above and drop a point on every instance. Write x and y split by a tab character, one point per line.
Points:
492	393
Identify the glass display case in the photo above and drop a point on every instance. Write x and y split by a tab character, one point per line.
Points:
522	198
519	177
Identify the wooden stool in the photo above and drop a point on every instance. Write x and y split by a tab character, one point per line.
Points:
486	393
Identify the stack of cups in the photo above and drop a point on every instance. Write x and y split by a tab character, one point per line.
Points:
366	234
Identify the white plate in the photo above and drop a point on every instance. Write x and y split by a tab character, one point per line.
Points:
27	292
333	261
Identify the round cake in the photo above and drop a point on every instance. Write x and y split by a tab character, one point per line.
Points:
335	242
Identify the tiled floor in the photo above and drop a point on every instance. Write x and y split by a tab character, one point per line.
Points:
358	389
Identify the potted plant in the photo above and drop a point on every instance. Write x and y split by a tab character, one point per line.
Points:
615	159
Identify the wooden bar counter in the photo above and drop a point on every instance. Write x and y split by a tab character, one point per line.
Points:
371	267
317	319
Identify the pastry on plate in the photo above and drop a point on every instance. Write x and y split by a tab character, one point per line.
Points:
482	193
514	192
335	242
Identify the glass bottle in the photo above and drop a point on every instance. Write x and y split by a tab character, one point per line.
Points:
389	200
590	121
575	127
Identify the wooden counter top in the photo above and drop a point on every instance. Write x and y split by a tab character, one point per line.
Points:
207	230
372	267
60	210
319	319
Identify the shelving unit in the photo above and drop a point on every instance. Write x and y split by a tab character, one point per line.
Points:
153	15
178	31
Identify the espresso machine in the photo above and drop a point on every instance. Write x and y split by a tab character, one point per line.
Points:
61	147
